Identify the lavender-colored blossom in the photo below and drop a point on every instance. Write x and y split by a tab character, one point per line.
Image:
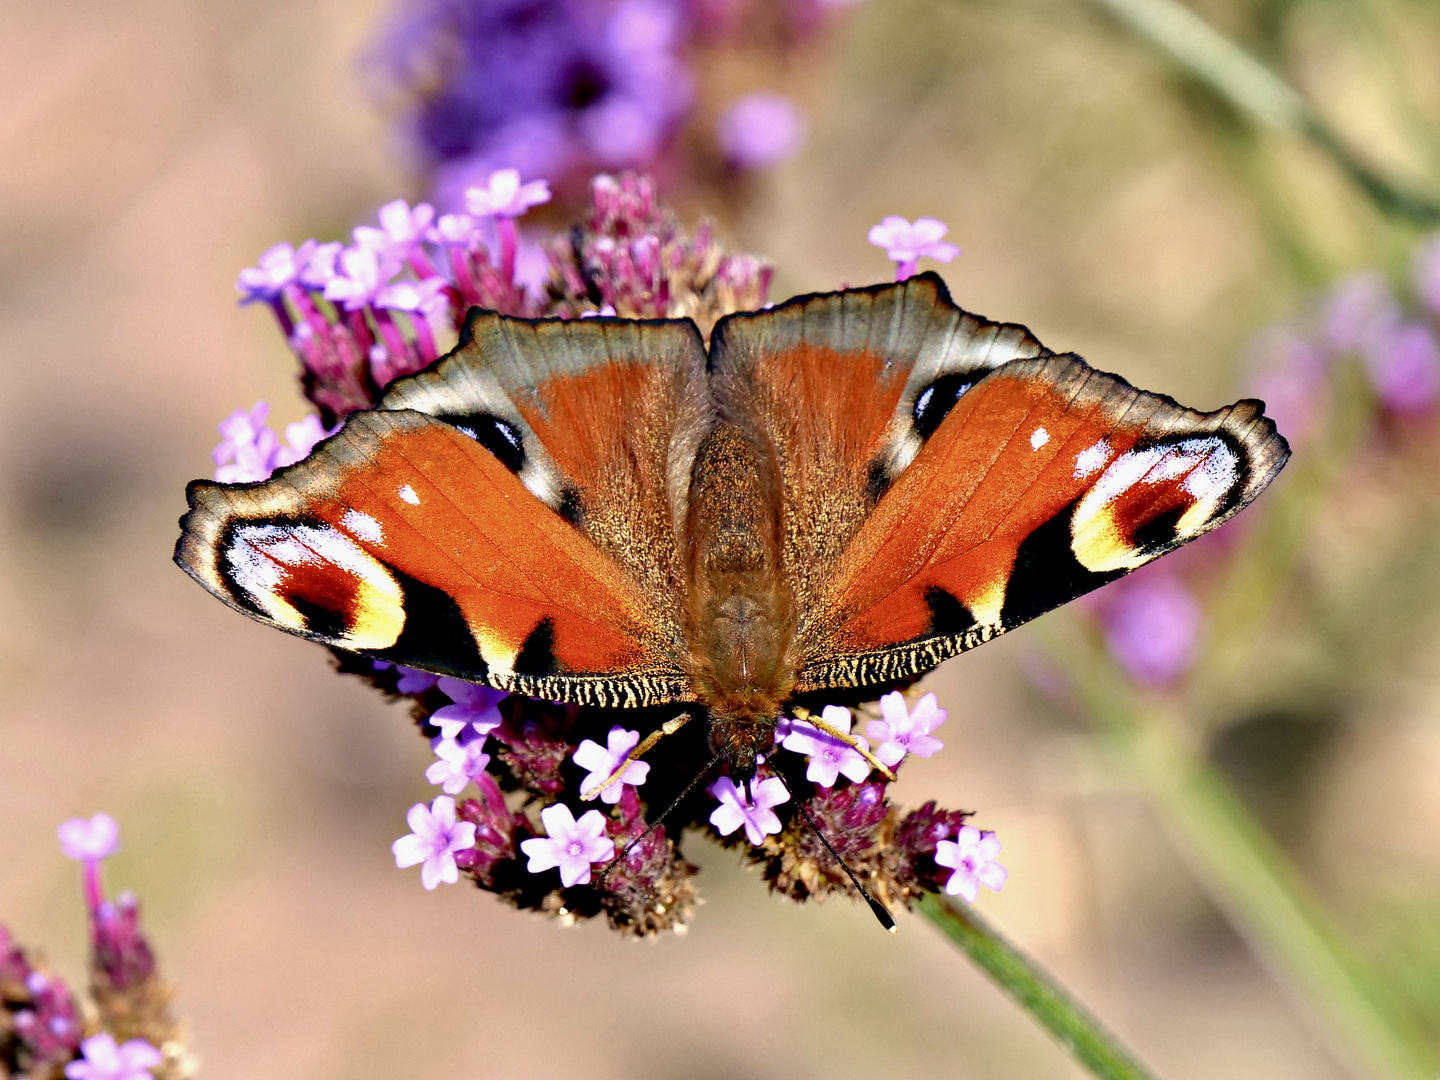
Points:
278	267
1152	626
410	680
1426	273
301	437
475	709
570	845
426	297
320	267
456	230
435	836
458	764
1358	310
760	130
505	196
363	274
972	856
906	243
901	731
90	839
829	757
1290	372
752	809
602	761
401	228
1403	361
250	451
105	1060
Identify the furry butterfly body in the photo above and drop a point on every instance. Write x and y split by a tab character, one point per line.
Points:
838	494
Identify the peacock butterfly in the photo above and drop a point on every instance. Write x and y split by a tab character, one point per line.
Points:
839	493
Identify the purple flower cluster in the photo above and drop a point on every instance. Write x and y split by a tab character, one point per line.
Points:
567	88
527	831
1391	332
41	1031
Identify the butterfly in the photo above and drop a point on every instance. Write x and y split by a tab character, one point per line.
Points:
835	494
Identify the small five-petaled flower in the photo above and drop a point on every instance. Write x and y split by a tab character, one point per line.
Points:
829	757
908	243
602	761
435	837
752	811
570	845
972	856
104	1060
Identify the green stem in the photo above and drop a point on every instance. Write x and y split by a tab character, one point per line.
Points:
1251	879
1018	976
1257	92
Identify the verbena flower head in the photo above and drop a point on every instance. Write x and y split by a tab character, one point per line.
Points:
104	1059
569	845
906	242
435	836
829	757
971	855
602	761
513	769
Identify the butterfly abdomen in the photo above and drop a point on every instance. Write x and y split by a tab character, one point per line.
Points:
740	621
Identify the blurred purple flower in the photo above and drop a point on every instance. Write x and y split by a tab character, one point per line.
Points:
541	88
320	267
277	267
1290	374
504	196
88	840
906	244
570	845
1357	310
104	1060
1152	625
401	228
900	731
426	297
411	680
1403	361
121	951
602	761
363	274
250	451
302	437
972	856
760	130
829	757
753	812
475	708
458	764
435	836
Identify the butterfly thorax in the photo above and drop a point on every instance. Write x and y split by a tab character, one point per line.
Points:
740	622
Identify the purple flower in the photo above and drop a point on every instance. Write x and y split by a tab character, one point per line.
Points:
907	244
363	274
569	844
277	268
475	708
426	297
753	812
760	130
411	680
603	761
505	196
104	1060
454	230
435	837
457	765
1359	308
1290	378
90	840
318	271
119	946
1404	365
1152	627
900	731
401	228
829	757
302	437
972	856
249	451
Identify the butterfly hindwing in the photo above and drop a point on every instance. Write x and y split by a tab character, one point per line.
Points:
1046	480
504	517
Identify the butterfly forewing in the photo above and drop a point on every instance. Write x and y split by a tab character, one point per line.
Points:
1045	481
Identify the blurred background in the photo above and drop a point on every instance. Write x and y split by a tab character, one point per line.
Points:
153	148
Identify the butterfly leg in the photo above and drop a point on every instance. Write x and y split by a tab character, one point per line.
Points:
849	740
667	728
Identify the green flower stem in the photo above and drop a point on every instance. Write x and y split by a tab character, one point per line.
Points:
1018	976
1250	878
1257	92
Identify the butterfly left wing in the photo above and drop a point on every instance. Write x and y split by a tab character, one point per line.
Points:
504	517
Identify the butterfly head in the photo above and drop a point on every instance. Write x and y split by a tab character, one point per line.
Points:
740	741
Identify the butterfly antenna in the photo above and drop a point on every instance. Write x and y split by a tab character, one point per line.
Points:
886	919
659	820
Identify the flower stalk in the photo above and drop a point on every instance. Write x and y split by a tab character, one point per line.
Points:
1033	990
